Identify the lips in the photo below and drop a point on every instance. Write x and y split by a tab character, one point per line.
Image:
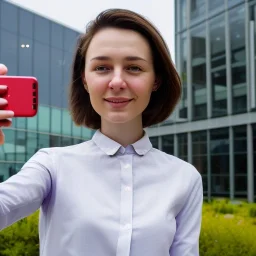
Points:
118	100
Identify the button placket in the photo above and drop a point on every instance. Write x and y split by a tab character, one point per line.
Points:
126	204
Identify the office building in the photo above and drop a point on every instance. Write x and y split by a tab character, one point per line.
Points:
31	45
214	126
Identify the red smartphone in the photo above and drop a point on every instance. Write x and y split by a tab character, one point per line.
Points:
22	95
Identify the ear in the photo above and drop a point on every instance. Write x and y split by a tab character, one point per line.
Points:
84	82
157	84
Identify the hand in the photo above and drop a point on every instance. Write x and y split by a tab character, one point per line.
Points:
5	115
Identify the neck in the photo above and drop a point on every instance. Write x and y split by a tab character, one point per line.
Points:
125	133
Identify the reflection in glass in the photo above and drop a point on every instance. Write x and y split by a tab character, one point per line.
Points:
218	66
57	35
154	141
31	146
197	9
198	51
219	150
238	59
183	72
183	146
168	144
43	140
20	146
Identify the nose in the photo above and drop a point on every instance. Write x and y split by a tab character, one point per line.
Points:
117	82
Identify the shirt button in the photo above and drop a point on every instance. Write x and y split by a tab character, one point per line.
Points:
127	188
127	226
127	166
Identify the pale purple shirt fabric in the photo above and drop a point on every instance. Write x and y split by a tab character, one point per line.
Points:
99	199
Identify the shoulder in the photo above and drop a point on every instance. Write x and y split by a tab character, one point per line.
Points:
176	164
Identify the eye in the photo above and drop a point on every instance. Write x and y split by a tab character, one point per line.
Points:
102	69
134	69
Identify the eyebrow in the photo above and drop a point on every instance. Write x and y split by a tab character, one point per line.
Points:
128	58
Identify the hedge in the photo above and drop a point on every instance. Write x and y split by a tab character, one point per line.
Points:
228	229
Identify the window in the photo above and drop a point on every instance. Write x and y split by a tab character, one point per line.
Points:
66	123
240	160
183	146
42	71
26	23
254	157
20	146
44	118
42	30
198	51
199	159
216	5
154	141
168	144
218	66
183	72
183	14
57	36
31	146
25	56
70	39
56	77
9	17
219	150
234	2
56	120
238	59
197	9
9	51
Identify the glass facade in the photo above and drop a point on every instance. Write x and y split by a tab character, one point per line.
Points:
31	45
216	125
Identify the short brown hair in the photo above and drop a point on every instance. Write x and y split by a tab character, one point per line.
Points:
162	101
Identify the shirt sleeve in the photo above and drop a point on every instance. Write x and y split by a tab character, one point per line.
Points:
186	239
23	193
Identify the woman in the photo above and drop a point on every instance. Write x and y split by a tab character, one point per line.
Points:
114	194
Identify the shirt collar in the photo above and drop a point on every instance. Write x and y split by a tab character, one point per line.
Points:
111	147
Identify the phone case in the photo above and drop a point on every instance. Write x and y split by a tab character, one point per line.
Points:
22	95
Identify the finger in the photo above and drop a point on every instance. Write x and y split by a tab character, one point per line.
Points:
1	137
3	70
3	89
3	102
5	123
4	114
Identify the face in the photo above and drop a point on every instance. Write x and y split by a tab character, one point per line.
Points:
119	75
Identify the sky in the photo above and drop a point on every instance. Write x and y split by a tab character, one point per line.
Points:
77	13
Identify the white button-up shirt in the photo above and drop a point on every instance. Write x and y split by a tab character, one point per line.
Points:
98	198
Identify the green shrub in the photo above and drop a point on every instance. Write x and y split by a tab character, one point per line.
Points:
21	238
227	230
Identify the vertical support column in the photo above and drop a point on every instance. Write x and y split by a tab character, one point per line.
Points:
160	147
189	136
228	63
250	174
209	180
231	164
176	153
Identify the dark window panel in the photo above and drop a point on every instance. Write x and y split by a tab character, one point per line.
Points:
9	51
198	9
220	185
9	17
154	141
43	140
168	144
183	146
55	141
42	30
26	23
200	163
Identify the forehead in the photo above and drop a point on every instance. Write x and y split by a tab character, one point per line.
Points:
115	41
